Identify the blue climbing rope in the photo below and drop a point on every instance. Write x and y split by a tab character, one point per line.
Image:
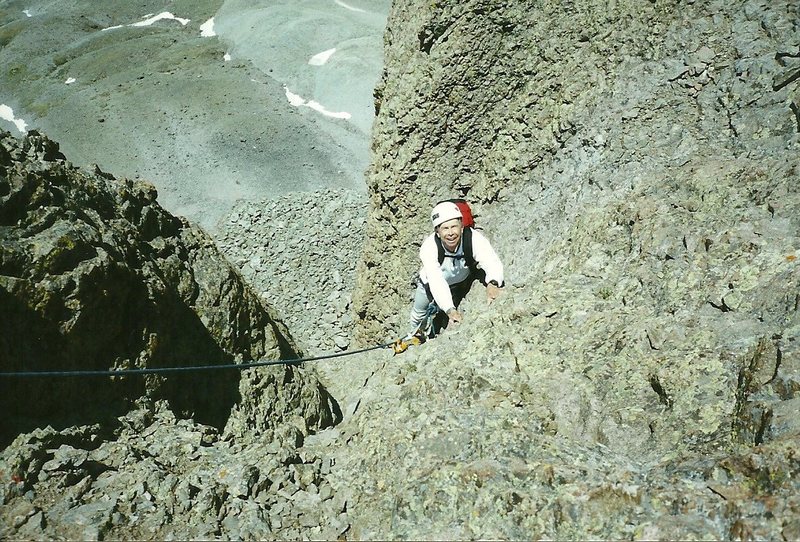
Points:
187	369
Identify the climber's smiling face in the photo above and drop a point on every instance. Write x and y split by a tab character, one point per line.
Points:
450	233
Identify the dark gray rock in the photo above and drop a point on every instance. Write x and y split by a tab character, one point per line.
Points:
99	276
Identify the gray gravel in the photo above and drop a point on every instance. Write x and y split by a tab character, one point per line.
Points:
299	251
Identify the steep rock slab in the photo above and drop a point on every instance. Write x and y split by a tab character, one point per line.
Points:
479	100
635	379
96	275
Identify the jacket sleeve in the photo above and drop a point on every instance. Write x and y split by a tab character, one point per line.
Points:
429	254
487	258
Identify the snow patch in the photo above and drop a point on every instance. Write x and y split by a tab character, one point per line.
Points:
227	57
293	98
6	113
161	16
207	29
150	19
27	12
321	58
69	81
297	101
351	8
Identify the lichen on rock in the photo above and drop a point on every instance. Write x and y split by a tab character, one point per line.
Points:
634	166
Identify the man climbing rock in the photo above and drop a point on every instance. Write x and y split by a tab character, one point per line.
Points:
453	256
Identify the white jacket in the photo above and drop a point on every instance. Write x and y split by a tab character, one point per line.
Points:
454	270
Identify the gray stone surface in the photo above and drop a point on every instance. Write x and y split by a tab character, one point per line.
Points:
637	180
96	275
561	114
163	481
95	272
300	251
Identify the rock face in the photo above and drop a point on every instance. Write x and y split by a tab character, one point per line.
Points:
536	99
636	167
96	275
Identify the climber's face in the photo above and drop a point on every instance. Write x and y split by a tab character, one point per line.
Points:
450	233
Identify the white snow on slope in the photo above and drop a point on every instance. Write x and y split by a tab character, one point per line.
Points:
351	8
321	58
298	101
207	29
6	113
150	19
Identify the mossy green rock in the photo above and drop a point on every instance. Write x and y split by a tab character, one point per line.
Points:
636	167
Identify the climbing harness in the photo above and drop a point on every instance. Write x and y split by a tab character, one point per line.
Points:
426	326
425	330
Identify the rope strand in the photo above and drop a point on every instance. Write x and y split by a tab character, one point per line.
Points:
159	370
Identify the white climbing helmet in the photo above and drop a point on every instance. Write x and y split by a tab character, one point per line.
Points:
447	210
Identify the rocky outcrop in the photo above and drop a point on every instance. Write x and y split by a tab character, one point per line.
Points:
160	478
533	99
95	275
636	168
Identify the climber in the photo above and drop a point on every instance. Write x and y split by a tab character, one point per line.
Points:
452	258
